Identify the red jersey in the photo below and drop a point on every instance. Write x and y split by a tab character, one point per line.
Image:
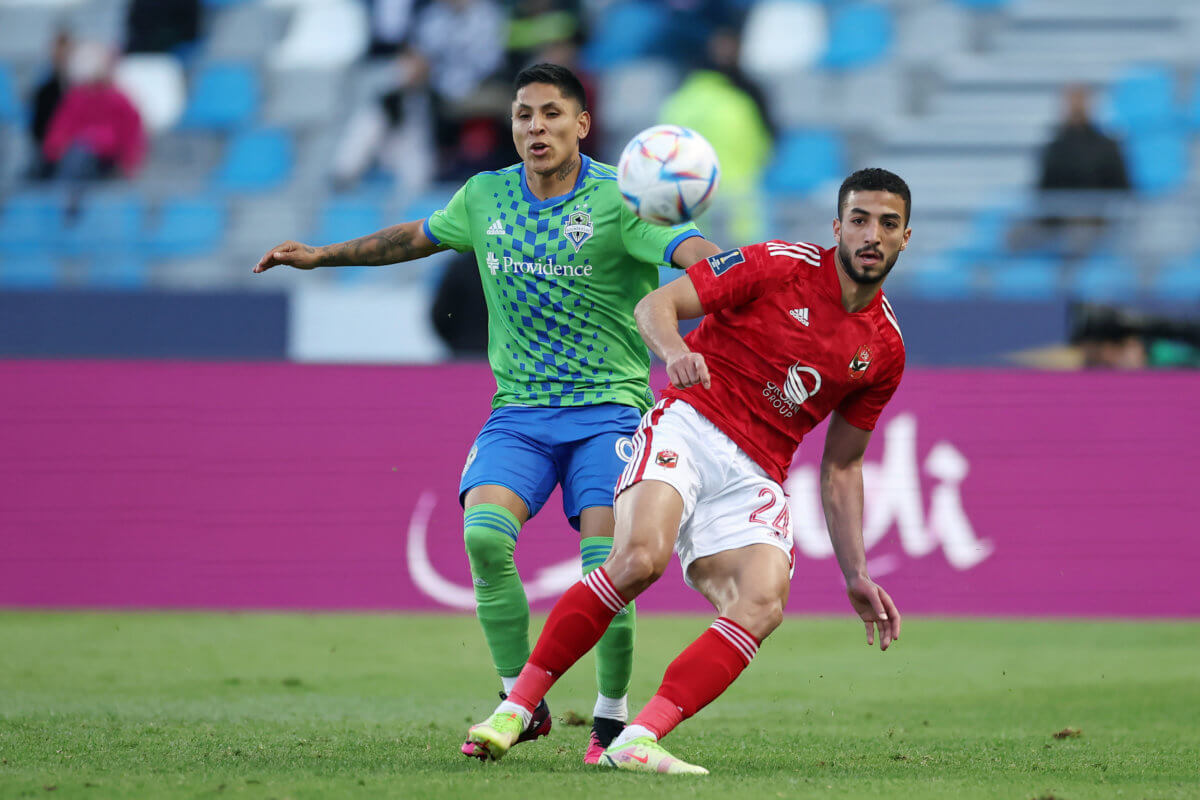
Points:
783	352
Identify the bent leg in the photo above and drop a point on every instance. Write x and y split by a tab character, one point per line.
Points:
641	551
748	587
614	651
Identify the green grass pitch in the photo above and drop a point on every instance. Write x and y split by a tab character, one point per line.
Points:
180	705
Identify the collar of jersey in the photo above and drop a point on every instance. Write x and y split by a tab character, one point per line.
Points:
537	204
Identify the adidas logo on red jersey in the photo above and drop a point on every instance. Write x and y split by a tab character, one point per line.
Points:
800	315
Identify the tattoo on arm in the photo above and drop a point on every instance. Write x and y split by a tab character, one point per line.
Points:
387	246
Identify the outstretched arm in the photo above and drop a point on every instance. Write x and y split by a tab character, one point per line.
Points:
403	242
842	499
658	315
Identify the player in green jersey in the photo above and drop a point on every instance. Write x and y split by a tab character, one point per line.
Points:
563	262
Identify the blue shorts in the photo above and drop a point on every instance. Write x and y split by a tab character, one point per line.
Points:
530	449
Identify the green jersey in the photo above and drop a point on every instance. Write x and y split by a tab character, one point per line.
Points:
561	277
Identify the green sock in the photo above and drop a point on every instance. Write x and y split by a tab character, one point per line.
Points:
614	653
490	533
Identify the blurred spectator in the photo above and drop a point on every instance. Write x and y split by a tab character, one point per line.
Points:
459	313
391	23
46	99
729	110
441	77
96	131
1080	158
161	26
1115	338
535	26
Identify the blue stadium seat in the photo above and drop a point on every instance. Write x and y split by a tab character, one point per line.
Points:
116	271
1025	279
11	110
624	32
983	4
257	160
106	224
1105	278
860	34
31	221
188	227
1193	105
803	160
348	218
224	97
1178	282
1142	98
950	276
1158	160
28	270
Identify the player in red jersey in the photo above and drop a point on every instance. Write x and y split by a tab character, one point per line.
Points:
791	334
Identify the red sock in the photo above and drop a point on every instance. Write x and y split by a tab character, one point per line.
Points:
699	675
576	623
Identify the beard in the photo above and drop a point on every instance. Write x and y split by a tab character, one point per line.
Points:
857	275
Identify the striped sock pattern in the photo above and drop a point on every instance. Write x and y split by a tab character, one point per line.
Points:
599	582
739	637
699	675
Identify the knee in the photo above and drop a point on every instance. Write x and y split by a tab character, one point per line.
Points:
487	548
634	568
759	615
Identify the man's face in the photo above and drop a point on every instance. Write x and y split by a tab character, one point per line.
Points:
547	127
870	235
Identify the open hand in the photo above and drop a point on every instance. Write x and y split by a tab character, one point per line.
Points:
289	254
876	609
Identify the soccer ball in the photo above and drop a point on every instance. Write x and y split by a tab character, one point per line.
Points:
668	174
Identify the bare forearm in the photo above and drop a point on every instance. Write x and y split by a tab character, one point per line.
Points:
388	246
658	323
842	499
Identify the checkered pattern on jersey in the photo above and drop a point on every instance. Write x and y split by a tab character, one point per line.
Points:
559	354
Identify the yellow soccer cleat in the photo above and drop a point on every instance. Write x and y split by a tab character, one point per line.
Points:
495	735
646	755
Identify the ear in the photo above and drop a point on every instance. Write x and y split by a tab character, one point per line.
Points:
584	123
837	231
907	233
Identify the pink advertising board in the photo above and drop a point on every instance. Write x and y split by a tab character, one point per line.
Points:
281	486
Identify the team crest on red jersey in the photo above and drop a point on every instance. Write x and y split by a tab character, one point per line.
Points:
667	459
860	362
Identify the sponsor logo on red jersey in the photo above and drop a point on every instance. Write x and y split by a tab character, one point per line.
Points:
667	459
860	362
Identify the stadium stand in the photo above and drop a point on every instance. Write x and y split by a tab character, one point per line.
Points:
958	96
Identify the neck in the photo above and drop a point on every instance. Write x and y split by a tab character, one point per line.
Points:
855	296
555	183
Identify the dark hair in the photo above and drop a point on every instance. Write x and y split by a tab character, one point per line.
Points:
554	75
874	179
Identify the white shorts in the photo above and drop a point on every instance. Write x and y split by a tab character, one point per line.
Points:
729	501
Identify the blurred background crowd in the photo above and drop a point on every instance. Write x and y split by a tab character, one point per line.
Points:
1052	146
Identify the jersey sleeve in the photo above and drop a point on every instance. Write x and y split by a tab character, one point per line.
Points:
862	408
649	243
450	226
736	277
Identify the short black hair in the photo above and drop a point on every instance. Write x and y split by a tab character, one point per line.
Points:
555	75
874	179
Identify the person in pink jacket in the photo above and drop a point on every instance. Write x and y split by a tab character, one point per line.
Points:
96	131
